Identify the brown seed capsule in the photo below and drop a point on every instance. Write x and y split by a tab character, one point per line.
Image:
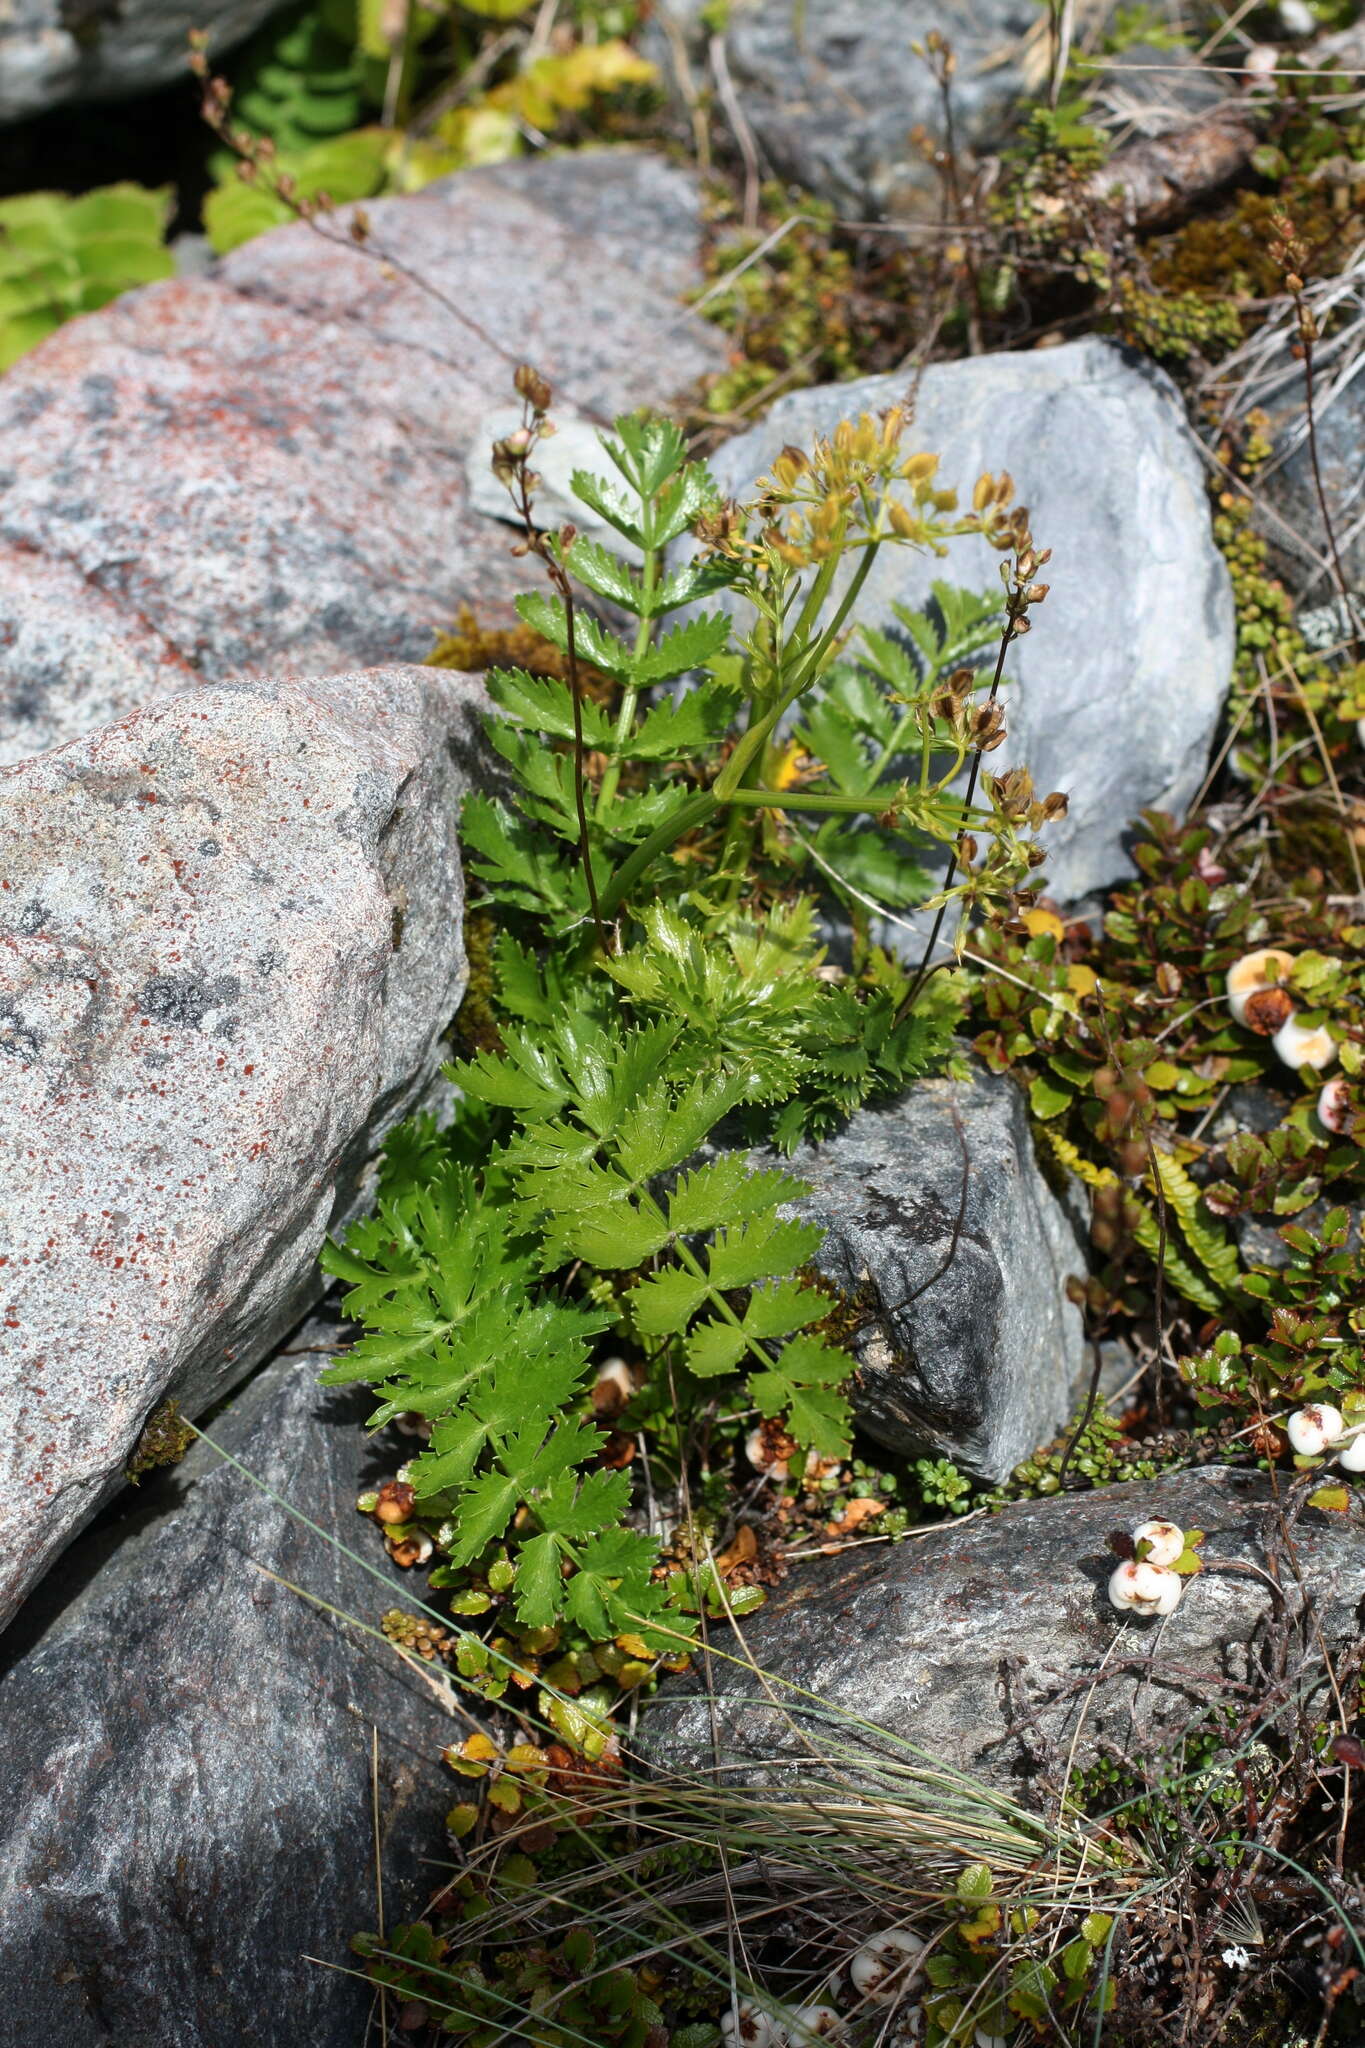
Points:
531	386
1266	1009
396	1501
1252	973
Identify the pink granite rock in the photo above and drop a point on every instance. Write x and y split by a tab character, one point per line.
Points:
230	940
265	470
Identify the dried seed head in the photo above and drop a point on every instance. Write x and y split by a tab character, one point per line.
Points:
1132	1158
1266	1009
531	386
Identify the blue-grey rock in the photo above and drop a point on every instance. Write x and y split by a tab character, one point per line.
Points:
945	1641
1286	495
968	1347
185	1803
54	52
1116	694
834	92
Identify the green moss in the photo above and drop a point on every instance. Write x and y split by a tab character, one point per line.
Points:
1264	609
792	311
1177	324
165	1438
476	1023
1105	1456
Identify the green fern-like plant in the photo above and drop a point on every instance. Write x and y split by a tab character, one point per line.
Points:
61	256
300	80
659	978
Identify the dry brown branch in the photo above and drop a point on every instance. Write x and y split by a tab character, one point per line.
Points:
1159	179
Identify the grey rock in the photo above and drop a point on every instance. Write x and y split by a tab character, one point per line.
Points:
194	255
1259	1241
1118	690
637	208
1149	89
921	1640
833	93
53	52
1286	492
230	941
266	469
185	1808
1250	1106
968	1348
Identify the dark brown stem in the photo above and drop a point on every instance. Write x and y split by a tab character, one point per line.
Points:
1159	1191
1083	1425
957	206
536	543
214	111
923	970
580	800
958	1221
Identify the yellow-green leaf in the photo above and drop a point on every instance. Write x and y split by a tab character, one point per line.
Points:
1046	1099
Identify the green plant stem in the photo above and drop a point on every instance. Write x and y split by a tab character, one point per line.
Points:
630	696
580	779
810	661
704	807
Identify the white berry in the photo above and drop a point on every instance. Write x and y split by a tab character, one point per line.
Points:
1165	1541
1334	1105
810	2024
1313	1429
1252	974
886	1963
754	2028
1299	1047
1351	1453
1145	1588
